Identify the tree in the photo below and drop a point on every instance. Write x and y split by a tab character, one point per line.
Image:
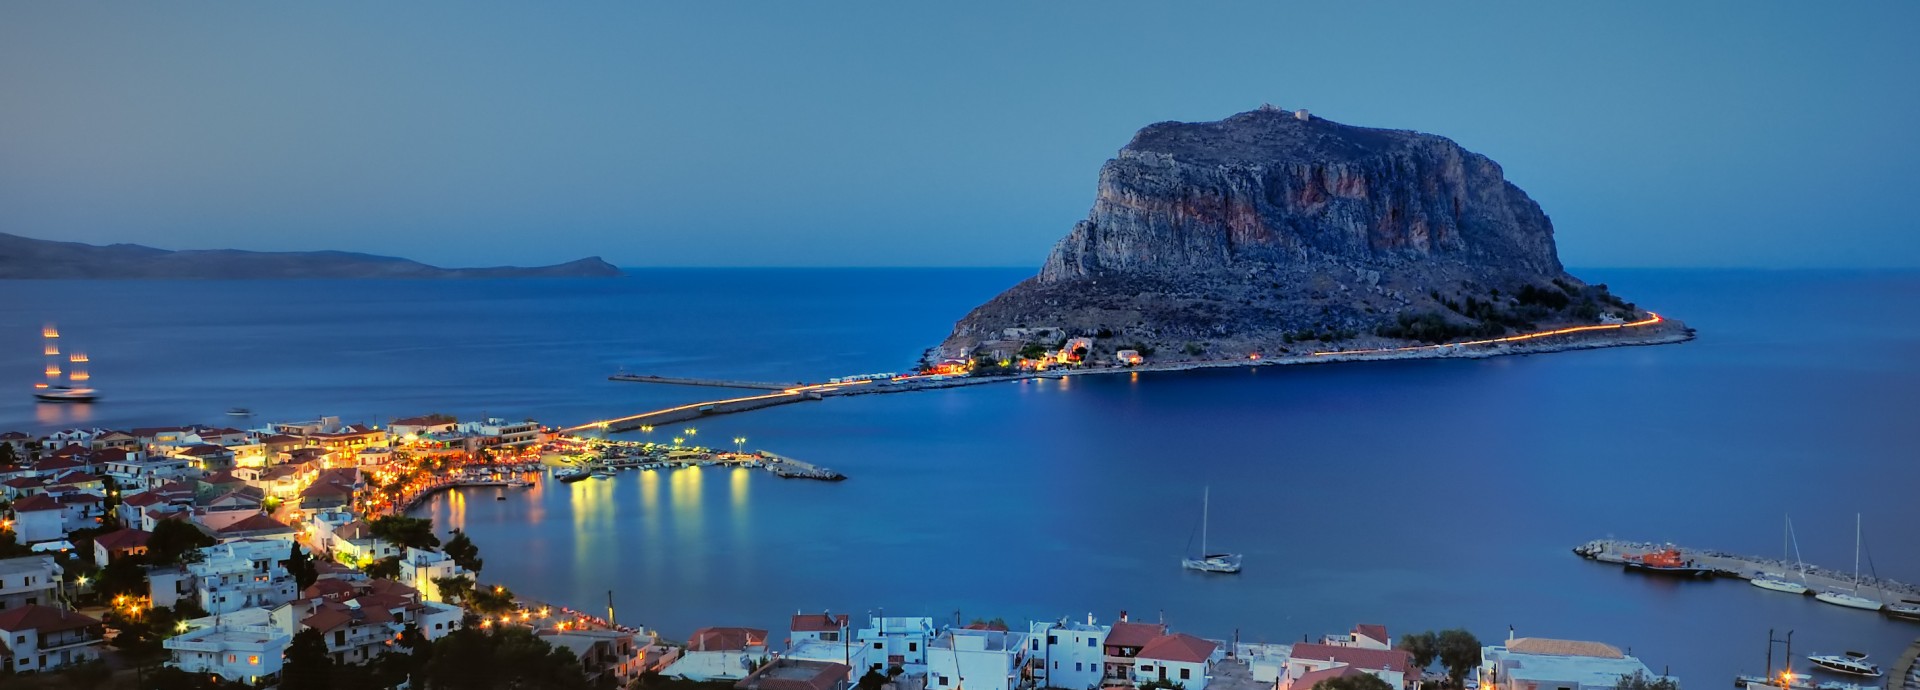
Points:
1639	680
1459	651
1358	681
387	568
301	566
124	575
173	539
506	657
7	454
495	599
458	587
872	681
1422	646
405	532
308	667
463	551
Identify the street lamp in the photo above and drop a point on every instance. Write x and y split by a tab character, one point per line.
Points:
738	442
676	441
692	431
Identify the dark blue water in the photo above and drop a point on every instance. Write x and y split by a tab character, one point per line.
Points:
1415	494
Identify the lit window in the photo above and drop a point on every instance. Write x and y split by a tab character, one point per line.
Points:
255	660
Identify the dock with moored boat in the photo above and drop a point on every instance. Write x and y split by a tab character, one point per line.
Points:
1713	564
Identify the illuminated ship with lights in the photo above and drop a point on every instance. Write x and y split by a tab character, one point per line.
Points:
71	388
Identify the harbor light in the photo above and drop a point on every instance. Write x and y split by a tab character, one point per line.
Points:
180	627
738	443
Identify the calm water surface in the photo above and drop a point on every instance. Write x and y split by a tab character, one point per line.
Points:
1415	494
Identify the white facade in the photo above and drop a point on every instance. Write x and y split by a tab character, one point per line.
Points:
848	652
710	666
1568	665
40	524
40	638
503	432
435	619
243	654
28	580
243	574
1067	654
420	567
981	659
898	640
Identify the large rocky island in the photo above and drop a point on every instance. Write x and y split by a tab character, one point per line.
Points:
28	258
1274	233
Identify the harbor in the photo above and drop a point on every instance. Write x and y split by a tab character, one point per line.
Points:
575	458
1895	599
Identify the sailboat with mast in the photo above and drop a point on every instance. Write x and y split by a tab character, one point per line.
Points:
1778	582
1851	599
71	389
1210	562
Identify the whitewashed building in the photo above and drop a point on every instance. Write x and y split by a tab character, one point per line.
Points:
898	640
1537	663
420	567
247	646
28	580
1067	654
1177	658
243	574
727	654
42	638
981	659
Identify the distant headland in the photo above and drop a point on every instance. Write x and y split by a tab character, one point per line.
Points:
29	258
1279	235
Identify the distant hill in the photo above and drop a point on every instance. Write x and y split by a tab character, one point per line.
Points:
28	258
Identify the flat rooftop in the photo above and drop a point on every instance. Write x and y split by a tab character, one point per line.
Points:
1588	671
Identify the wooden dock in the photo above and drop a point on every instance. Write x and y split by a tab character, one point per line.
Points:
710	383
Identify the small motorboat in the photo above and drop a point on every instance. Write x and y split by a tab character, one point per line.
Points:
1851	663
603	474
1907	609
239	412
571	475
65	394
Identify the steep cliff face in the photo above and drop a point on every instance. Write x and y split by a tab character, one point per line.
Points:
1265	228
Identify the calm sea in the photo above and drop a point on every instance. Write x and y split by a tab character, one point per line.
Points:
1415	494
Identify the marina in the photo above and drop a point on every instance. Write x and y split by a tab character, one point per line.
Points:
1896	599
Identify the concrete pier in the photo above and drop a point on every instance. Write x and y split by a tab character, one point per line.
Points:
1818	579
790	468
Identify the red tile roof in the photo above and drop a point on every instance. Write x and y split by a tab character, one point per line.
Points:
57	464
1179	647
1130	634
256	523
203	450
330	588
24	482
76	478
118	540
1370	659
1373	632
1307	680
36	502
817	622
45	619
726	639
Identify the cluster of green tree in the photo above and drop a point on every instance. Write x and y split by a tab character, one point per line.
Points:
173	541
1322	334
466	659
142	629
1435	328
1457	650
1358	682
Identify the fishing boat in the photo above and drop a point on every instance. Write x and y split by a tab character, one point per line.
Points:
1777	581
1667	561
1907	609
1210	562
571	475
63	386
1852	663
1852	598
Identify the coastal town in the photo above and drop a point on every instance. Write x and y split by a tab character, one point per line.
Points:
221	556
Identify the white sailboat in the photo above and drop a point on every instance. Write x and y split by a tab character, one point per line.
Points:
1210	562
1851	599
75	388
1777	581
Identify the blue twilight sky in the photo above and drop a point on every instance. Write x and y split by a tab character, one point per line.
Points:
735	133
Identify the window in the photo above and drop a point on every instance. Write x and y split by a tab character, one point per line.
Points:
1186	673
232	658
876	645
830	637
1076	666
943	681
1089	643
913	646
1053	640
1036	645
1146	668
255	660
